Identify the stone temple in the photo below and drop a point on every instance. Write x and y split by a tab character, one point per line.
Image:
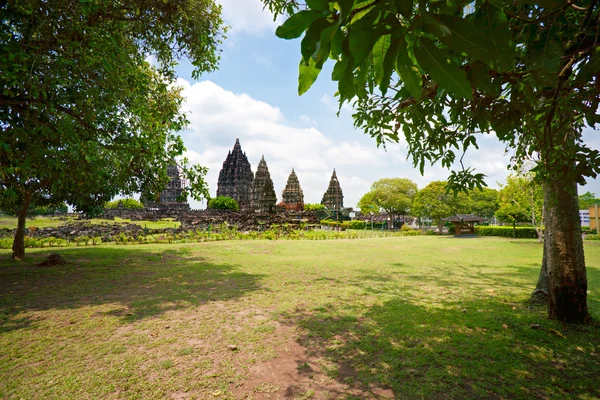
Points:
293	197
256	191
170	197
235	178
263	197
333	198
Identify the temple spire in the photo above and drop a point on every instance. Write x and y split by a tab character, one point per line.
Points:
333	198
263	197
293	197
235	178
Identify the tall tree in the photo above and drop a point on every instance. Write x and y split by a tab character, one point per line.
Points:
84	115
435	202
393	195
442	72
483	203
521	200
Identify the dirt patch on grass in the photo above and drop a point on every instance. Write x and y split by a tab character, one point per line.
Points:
296	373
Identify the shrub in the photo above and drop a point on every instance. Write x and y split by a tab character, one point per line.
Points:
223	203
357	224
507	231
128	204
313	207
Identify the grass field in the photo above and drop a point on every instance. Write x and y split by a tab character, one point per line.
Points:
46	222
408	318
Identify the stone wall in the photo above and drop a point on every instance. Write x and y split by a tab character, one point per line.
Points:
245	220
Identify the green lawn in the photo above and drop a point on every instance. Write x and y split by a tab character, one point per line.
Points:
46	222
406	317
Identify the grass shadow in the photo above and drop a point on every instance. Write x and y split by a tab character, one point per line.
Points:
140	283
478	349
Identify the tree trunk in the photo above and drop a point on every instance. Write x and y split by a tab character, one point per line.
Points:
563	249
540	293
514	229
18	246
440	227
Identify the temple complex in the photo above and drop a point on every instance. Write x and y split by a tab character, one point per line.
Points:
235	178
262	196
292	194
333	198
256	191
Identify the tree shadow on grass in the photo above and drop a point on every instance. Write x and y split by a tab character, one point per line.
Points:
141	282
437	353
437	337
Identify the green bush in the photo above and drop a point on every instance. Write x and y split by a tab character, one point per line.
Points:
592	237
313	207
223	203
128	204
506	231
357	224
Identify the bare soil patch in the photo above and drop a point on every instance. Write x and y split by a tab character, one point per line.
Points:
297	373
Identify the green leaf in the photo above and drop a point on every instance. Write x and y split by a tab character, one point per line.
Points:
307	75
295	25
361	43
322	54
389	62
379	51
462	36
346	87
318	5
545	54
340	68
345	9
588	70
445	72
492	21
404	7
410	75
309	43
359	15
479	76
336	43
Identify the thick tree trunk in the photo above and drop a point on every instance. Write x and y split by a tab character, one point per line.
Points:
563	249
540	293
440	227
18	246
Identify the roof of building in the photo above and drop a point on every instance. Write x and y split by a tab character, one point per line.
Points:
464	218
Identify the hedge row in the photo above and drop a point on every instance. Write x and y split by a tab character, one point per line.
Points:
356	224
507	231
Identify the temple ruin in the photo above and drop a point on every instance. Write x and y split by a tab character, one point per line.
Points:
263	197
333	198
236	177
172	196
256	191
293	197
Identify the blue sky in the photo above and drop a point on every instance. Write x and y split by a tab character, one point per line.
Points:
253	97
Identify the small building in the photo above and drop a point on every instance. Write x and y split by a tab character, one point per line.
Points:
464	223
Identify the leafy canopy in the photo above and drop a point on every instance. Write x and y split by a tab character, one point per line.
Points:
441	73
434	202
393	195
587	200
84	116
520	200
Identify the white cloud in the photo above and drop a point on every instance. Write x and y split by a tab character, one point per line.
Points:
219	116
247	16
